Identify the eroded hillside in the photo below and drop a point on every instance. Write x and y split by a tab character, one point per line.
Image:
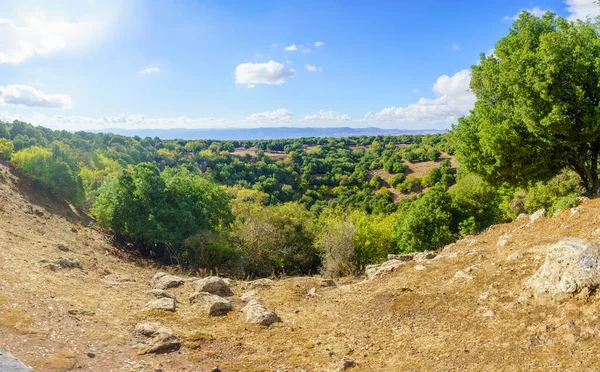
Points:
465	309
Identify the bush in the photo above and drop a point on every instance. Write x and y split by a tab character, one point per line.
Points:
396	179
158	212
426	222
410	184
6	148
475	204
274	239
336	244
55	171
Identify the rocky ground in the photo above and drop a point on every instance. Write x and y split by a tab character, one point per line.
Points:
515	297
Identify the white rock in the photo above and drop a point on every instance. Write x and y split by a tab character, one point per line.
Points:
162	280
162	304
214	285
156	339
373	270
249	296
537	215
213	304
463	275
571	265
419	267
489	313
312	292
256	313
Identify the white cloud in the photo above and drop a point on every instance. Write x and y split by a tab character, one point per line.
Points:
319	44
328	117
150	70
582	9
291	48
455	47
287	61
38	33
310	68
415	91
262	73
279	115
305	51
453	101
23	95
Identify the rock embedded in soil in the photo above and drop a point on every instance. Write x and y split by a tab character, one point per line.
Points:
161	304
327	283
160	293
214	285
373	270
257	313
162	280
571	266
346	363
213	304
258	283
155	338
9	363
425	255
249	296
66	263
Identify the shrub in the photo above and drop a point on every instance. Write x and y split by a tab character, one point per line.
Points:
55	171
410	184
336	244
426	222
396	179
6	148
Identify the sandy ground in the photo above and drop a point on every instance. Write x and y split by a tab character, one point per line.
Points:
405	320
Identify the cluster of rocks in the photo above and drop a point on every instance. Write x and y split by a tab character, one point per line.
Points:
210	294
395	261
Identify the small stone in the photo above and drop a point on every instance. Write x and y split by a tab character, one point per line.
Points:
249	296
161	304
419	267
575	211
462	274
346	363
69	263
91	355
156	339
515	256
214	285
65	248
214	305
312	292
327	283
160	293
162	280
537	215
489	313
263	282
258	314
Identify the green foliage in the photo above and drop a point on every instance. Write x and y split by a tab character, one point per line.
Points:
396	179
6	148
410	184
475	204
158	212
560	192
54	170
537	105
425	225
273	239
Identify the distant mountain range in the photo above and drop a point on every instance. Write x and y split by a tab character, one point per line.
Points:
262	133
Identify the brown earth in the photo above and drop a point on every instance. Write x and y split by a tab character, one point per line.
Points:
405	320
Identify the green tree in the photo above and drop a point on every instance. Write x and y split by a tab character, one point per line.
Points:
6	148
426	222
537	106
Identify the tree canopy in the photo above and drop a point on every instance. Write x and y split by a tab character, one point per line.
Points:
537	108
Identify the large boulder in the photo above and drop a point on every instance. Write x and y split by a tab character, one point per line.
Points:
155	338
214	285
257	313
162	280
161	304
572	266
214	305
373	270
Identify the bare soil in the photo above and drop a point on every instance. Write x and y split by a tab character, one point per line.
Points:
404	320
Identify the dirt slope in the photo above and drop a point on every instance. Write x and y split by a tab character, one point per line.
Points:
405	320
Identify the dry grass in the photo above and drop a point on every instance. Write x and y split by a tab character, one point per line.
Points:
405	320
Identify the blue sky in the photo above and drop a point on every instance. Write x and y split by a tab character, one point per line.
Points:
201	64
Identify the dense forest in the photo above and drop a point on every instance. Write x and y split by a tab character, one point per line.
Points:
272	207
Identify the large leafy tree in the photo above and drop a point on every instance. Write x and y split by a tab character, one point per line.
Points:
159	211
537	108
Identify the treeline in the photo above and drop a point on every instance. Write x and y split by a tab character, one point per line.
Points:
322	208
